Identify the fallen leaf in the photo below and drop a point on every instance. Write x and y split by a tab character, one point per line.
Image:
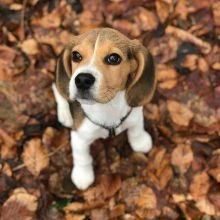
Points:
21	204
166	76
215	173
204	205
216	66
190	61
178	198
164	8
117	211
50	20
165	177
199	187
182	157
147	199
146	19
6	169
170	213
216	13
110	185
179	114
127	27
205	47
35	156
30	46
71	216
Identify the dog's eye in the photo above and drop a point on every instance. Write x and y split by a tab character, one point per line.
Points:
76	56
113	59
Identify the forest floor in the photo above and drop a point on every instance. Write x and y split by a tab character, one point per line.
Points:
178	179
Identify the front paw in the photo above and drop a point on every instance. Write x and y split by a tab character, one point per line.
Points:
141	143
82	176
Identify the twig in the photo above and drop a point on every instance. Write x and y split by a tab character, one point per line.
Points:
48	155
186	36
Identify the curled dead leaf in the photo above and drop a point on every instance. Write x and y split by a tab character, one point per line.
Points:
199	187
216	13
164	8
204	205
182	157
110	185
146	19
30	46
35	156
21	204
215	173
186	36
147	199
166	76
179	114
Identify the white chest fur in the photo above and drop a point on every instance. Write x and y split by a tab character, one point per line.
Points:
108	114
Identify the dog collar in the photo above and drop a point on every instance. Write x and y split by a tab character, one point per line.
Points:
111	130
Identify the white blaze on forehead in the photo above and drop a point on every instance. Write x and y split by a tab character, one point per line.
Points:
87	68
94	52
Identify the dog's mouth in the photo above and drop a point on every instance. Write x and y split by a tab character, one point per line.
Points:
85	97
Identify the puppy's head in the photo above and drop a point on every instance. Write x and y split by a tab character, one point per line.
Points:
102	62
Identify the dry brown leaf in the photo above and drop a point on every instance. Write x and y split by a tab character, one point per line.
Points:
146	19
74	207
71	216
16	6
216	12
168	84
215	173
216	66
164	8
117	211
50	20
204	205
190	61
6	169
182	157
147	199
165	176
200	186
165	72
179	114
151	111
110	185
203	65
214	198
186	36
30	46
20	204
127	27
178	198
170	213
35	156
166	76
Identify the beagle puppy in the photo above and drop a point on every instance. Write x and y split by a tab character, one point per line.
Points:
103	79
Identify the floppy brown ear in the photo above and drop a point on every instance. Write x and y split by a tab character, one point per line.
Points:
63	72
142	85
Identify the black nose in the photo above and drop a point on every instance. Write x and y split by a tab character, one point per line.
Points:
84	81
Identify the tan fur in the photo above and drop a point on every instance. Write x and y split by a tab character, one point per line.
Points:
135	74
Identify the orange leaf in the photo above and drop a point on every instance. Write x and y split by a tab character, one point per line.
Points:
35	156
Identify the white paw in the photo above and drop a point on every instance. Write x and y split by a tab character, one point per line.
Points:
141	143
63	109
82	176
64	116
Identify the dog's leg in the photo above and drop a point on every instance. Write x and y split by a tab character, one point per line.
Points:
63	109
138	138
82	173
